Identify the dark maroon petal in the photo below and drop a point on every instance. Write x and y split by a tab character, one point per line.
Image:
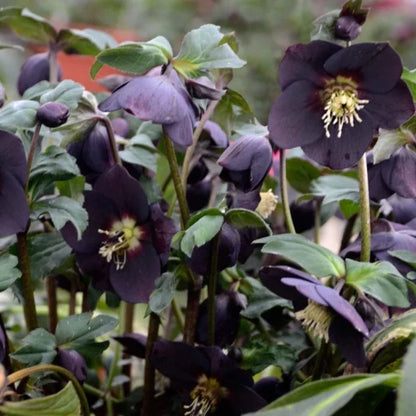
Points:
390	109
377	187
180	362
241	400
305	62
12	156
52	114
74	362
345	151
14	210
342	307
198	195
95	266
403	208
400	174
125	191
296	117
152	98
349	341
134	344
136	280
375	66
181	131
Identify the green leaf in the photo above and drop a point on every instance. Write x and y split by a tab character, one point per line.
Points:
335	188
242	218
300	173
28	25
39	347
135	57
325	397
200	232
380	280
388	142
409	77
140	151
72	188
66	92
47	252
406	399
202	50
62	209
404	255
313	258
323	27
162	296
84	42
76	331
63	403
9	273
18	114
259	298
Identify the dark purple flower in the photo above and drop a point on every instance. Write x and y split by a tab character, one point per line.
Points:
52	114
73	362
134	344
394	175
202	88
335	99
321	309
271	388
215	134
403	209
228	305
14	210
34	70
161	99
246	162
211	381
126	242
198	194
351	18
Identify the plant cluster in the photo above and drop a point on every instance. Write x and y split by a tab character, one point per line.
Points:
160	249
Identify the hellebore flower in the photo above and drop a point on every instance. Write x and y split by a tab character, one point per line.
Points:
335	99
134	344
320	309
126	242
212	382
72	361
403	209
202	88
246	162
52	114
228	305
394	175
14	210
34	70
161	99
351	18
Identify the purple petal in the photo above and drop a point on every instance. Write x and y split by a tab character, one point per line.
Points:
241	400
377	187
216	133
136	280
305	62
94	265
12	156
309	290
134	344
375	66
296	117
181	131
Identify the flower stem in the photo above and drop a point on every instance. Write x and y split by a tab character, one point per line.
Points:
112	139
284	193
52	303
128	328
178	314
364	210
348	230
149	370
212	284
321	360
29	306
26	372
31	155
53	65
317	220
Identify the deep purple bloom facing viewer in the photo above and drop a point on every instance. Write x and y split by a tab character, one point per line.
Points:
126	242
335	99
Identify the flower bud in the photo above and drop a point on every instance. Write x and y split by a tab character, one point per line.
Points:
52	114
347	28
73	362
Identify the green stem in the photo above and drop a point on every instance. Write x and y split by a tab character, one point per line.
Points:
128	328
178	314
284	193
112	139
149	370
31	155
349	228
321	360
364	210
26	372
212	284
179	189
53	65
29	306
317	220
52	303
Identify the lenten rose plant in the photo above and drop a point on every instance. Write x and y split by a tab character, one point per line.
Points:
163	251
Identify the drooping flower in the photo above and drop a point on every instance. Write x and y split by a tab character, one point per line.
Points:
72	361
211	382
320	309
160	98
246	162
335	99
52	114
351	18
14	210
126	242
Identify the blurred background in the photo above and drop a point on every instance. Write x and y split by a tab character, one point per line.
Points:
264	29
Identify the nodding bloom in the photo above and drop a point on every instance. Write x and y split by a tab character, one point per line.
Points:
210	381
335	99
14	210
320	309
127	240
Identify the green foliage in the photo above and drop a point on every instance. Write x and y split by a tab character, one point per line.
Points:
140	150
9	273
406	396
18	114
165	290
409	77
241	218
300	173
66	92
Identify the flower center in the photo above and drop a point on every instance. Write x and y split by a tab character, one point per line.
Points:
206	395
341	106
317	319
267	204
124	235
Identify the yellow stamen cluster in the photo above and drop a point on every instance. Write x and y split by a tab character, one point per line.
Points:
317	319
123	236
206	395
341	106
267	204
